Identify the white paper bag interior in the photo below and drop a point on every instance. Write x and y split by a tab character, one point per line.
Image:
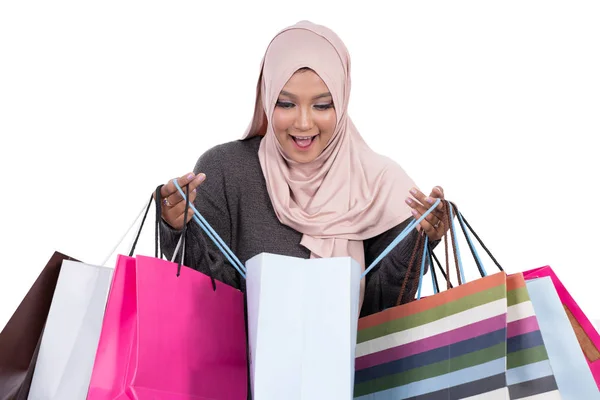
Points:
302	322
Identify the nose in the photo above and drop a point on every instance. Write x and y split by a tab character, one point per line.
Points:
304	120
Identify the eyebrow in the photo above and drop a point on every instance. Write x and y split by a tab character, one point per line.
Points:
320	96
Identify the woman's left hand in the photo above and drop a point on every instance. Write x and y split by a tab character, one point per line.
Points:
434	225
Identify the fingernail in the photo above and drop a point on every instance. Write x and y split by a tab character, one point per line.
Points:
194	191
190	177
414	212
201	177
430	200
408	200
413	191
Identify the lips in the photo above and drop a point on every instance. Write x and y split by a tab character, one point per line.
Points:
304	142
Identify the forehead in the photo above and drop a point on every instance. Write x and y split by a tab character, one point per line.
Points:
305	82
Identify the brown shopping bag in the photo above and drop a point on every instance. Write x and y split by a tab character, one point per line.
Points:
20	338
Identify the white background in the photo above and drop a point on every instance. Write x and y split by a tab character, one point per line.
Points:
498	102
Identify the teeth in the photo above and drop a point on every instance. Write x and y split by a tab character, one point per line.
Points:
303	137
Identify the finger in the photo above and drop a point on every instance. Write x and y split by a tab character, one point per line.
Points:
425	203
176	198
174	215
437	193
425	200
427	227
428	201
170	189
431	219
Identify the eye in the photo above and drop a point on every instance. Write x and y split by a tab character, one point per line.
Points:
323	107
284	104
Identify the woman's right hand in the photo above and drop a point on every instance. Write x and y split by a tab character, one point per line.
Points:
173	206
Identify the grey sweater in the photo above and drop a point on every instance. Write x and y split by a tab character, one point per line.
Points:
235	201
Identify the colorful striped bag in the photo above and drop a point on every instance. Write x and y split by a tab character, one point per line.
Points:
529	372
451	345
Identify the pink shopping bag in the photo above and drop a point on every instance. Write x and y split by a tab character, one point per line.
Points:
169	337
588	337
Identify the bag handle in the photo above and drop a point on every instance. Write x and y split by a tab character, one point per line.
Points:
153	198
210	232
455	247
427	256
464	226
409	268
422	272
431	255
399	238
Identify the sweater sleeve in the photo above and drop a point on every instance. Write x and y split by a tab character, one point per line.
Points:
384	282
200	251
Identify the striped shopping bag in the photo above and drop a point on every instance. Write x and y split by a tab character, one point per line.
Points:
529	372
451	345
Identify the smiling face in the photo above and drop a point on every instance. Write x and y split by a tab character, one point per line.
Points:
304	118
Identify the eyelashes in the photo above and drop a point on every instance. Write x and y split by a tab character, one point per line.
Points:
284	104
289	105
323	106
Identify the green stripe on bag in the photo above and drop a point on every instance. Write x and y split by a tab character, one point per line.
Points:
525	357
426	317
517	296
432	370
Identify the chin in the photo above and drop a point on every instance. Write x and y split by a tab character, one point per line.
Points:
302	158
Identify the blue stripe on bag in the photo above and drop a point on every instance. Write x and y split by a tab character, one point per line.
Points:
464	376
524	341
528	372
466	390
432	356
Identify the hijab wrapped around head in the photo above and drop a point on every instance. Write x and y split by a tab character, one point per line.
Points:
348	193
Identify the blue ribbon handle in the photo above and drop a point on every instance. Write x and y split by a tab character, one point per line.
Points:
400	237
455	240
423	268
210	232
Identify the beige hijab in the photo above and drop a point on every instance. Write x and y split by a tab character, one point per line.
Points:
349	193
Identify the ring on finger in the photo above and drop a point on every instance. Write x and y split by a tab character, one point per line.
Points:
437	224
166	202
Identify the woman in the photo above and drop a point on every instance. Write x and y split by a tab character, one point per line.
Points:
302	182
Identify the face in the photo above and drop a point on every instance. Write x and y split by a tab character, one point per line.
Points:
304	118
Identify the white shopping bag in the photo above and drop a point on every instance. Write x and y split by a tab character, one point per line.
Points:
70	338
302	324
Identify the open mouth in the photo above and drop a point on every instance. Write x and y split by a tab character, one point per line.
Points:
304	142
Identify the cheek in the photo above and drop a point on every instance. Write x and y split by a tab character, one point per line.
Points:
282	120
327	121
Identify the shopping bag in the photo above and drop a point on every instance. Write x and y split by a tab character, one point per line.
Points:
529	372
450	345
20	338
587	334
573	376
70	337
169	333
302	318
